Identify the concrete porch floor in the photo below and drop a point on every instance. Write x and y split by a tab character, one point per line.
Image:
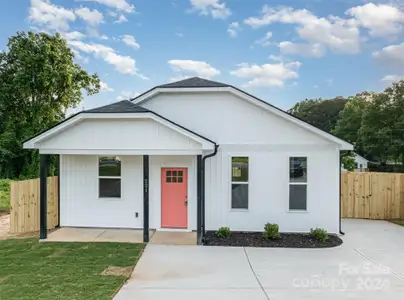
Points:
75	234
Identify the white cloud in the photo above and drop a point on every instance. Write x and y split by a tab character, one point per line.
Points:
104	87
179	34
200	68
337	34
265	41
125	95
214	8
91	17
392	78
233	29
310	50
73	35
123	64
268	74
380	19
178	78
391	55
130	41
122	5
54	17
281	14
121	19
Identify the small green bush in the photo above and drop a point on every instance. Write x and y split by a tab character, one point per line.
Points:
223	232
271	231
319	234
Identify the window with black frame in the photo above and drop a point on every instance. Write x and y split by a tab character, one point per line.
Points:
109	177
239	183
298	183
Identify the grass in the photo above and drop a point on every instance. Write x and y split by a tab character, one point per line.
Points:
398	222
5	194
71	271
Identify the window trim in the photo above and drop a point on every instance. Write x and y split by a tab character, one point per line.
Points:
238	182
306	183
107	177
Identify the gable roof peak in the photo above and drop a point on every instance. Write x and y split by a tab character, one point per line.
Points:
193	82
124	106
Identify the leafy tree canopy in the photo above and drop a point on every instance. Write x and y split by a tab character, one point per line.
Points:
39	81
318	112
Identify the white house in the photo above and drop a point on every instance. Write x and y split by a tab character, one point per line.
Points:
361	164
193	155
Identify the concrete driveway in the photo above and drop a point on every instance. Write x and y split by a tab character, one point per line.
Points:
369	265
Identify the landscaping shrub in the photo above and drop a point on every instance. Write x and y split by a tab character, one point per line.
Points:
319	234
5	193
271	231
223	232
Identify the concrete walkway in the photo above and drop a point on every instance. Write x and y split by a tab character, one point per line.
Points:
71	234
369	265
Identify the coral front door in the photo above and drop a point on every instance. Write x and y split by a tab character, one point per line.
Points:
174	198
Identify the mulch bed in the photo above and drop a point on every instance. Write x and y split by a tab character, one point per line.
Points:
256	239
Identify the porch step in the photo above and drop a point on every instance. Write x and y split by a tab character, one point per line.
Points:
173	238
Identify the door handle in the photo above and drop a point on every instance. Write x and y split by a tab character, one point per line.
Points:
186	202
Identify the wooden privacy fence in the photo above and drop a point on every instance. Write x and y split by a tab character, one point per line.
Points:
369	195
24	205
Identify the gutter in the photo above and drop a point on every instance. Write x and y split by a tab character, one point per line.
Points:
340	202
203	191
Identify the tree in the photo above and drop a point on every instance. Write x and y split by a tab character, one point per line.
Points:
348	162
375	134
318	112
39	81
350	119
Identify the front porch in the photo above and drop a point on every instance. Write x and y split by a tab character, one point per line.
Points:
75	234
123	166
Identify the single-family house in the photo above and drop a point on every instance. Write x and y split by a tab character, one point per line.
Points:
193	155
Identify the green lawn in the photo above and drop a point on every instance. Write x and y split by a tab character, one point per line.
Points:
5	193
33	270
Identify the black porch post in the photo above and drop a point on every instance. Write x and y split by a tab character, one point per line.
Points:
145	198
43	195
199	199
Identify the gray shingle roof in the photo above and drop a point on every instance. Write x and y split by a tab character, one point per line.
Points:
194	82
124	106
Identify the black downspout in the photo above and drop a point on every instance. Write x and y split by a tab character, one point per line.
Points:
203	191
145	198
199	201
43	158
340	201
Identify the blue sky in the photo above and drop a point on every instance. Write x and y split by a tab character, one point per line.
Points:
280	51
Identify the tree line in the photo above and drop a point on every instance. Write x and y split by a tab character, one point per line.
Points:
372	121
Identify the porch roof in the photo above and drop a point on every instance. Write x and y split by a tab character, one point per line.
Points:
119	128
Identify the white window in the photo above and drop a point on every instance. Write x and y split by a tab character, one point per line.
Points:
298	183
109	177
239	182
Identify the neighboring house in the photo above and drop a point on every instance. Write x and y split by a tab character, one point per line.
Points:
193	155
361	164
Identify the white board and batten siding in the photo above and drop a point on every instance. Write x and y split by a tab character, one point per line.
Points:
81	206
109	136
242	129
